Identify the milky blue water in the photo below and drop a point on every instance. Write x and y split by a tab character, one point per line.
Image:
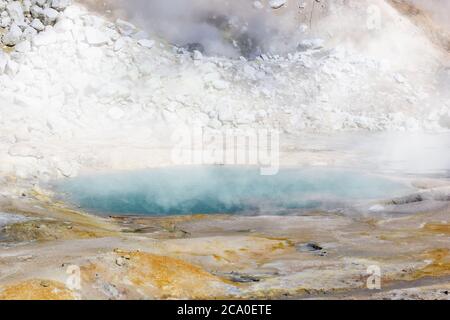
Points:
193	190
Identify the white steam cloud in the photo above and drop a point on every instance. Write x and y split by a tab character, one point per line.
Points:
247	28
229	28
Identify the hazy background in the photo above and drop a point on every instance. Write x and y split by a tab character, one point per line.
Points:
247	28
230	28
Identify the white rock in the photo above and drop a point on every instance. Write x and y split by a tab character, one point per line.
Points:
277	4
63	25
36	11
220	84
13	36
37	24
61	4
50	15
45	38
5	22
197	55
146	43
95	36
29	33
15	11
24	46
73	12
26	5
311	44
125	28
399	78
121	43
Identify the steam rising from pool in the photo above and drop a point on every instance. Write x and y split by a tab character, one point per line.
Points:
194	190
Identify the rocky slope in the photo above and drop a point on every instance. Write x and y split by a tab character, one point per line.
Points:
74	82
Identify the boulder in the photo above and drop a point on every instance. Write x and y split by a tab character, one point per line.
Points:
13	36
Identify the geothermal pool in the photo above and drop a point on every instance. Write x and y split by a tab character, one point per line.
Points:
207	190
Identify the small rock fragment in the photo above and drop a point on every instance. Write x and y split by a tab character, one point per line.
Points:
146	43
277	4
